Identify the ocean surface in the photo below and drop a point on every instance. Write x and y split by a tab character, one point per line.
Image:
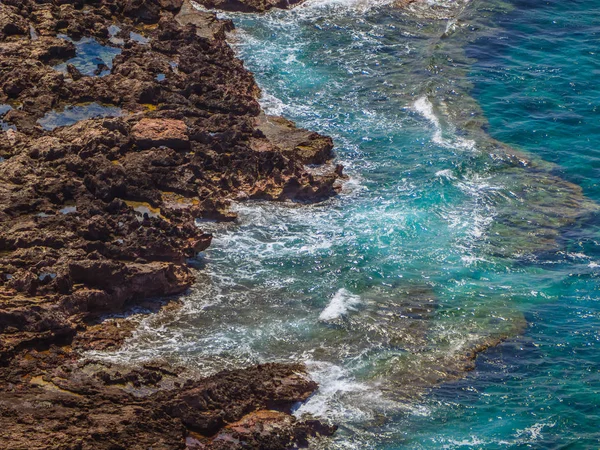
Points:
449	297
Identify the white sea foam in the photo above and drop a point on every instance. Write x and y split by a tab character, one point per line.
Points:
477	215
526	436
424	107
342	302
470	260
341	398
356	5
446	173
534	432
333	380
353	185
473	441
271	104
576	255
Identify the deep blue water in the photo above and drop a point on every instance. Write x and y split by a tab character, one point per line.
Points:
441	244
536	80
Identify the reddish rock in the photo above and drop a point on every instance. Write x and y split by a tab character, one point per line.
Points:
170	133
103	406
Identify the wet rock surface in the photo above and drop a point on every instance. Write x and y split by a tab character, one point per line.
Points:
260	6
99	215
250	6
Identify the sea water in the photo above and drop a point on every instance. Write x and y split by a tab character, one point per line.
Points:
468	226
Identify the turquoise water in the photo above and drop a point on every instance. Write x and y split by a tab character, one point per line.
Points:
469	221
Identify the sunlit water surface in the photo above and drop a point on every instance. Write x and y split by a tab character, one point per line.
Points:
433	250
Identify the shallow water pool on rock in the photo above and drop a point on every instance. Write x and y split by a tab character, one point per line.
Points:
3	125
92	58
76	113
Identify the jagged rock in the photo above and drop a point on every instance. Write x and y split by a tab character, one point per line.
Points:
305	146
10	23
264	429
207	25
88	406
249	5
99	215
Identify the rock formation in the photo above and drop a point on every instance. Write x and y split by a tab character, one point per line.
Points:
97	215
249	5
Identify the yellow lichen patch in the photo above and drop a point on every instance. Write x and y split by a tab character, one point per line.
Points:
150	107
135	205
115	162
14	104
39	381
147	26
145	208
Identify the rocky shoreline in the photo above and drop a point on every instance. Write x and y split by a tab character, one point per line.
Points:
122	123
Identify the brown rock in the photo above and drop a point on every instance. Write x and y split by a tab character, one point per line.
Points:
11	23
171	133
266	429
99	216
300	144
250	5
207	25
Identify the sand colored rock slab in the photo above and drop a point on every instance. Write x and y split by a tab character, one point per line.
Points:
304	145
170	133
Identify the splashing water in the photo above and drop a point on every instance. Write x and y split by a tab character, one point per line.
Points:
341	303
